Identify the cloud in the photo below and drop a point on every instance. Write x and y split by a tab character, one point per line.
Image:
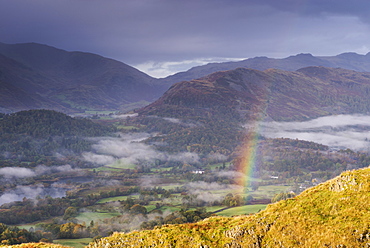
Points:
160	69
230	174
129	150
32	192
16	172
216	157
42	169
164	36
346	131
149	181
205	191
203	186
98	158
187	157
124	116
22	172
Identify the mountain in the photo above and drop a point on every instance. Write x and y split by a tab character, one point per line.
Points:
332	214
209	114
39	76
351	61
36	76
274	94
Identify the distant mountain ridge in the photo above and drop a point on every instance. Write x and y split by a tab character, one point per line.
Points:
35	76
351	61
39	76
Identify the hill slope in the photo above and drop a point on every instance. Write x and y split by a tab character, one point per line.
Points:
280	95
332	214
61	80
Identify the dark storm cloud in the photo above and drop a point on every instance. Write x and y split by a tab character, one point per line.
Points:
151	32
357	8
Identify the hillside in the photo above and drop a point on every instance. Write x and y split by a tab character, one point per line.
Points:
332	214
40	76
46	123
278	95
41	134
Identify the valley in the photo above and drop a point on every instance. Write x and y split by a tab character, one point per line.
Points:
90	146
124	179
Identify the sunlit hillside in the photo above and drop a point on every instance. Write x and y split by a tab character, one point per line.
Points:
332	214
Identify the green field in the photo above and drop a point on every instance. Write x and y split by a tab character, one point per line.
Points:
161	169
269	191
117	198
77	243
247	209
214	208
171	208
87	217
119	127
100	112
121	165
103	168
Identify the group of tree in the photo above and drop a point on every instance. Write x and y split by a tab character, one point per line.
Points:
11	235
292	158
36	135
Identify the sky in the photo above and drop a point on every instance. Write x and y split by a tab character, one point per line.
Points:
162	37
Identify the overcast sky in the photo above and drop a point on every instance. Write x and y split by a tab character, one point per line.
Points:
161	37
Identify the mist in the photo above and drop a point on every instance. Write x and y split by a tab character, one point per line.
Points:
22	172
204	191
128	149
16	172
339	131
31	192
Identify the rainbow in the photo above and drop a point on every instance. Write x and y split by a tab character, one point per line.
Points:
247	161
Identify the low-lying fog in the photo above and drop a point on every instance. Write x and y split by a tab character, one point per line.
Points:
13	174
339	131
31	192
127	150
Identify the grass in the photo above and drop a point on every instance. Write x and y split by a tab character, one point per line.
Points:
214	208
161	169
171	186
27	227
170	208
103	168
77	243
100	112
87	217
120	165
150	208
268	191
214	166
120	127
116	198
134	105
247	209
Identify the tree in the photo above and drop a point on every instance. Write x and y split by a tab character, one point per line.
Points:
138	209
70	213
